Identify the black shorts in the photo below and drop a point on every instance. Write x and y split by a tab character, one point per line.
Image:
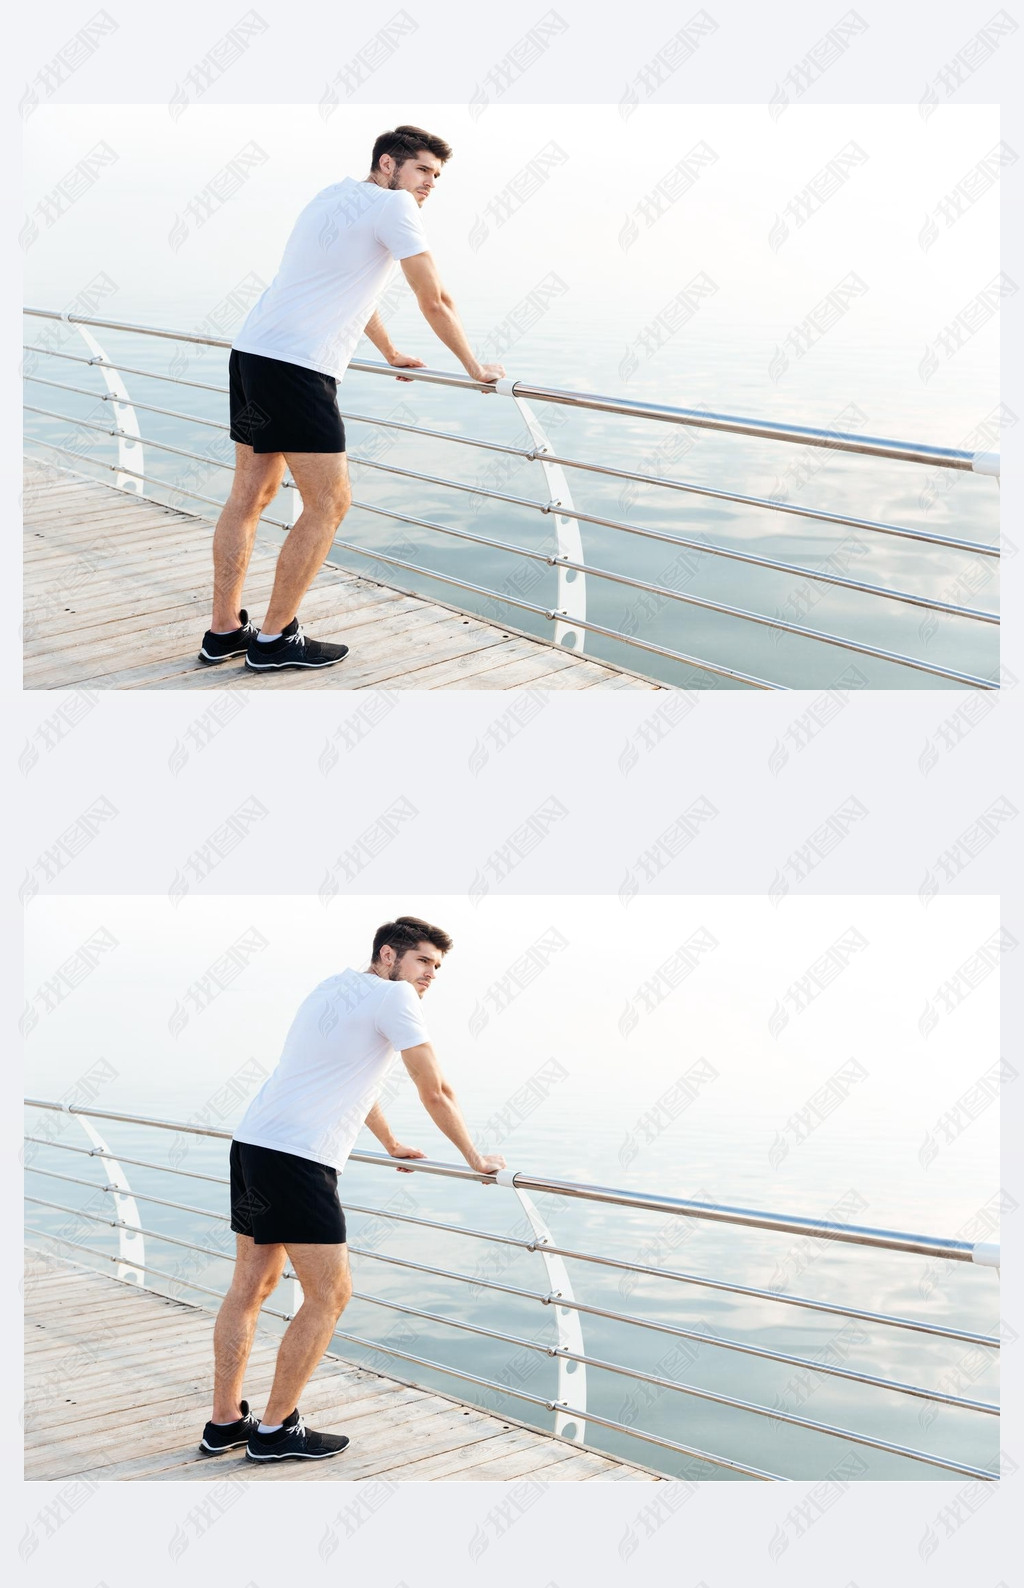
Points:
278	407
277	1197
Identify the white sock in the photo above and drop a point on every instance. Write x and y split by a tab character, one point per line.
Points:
269	1428
227	631
230	1424
265	639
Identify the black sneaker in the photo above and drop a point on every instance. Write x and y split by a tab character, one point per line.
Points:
293	1438
218	647
293	649
228	1436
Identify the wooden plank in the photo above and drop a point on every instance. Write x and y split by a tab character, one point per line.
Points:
179	1432
87	540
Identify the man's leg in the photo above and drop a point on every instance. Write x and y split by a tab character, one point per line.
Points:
257	1271
323	1273
257	481
322	480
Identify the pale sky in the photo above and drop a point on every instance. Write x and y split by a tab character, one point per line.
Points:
764	1006
857	190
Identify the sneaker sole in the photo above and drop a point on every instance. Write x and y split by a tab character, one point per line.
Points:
297	1455
226	657
267	667
218	1450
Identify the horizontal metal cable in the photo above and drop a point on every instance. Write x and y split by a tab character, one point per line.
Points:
140	1196
430	573
129	1262
550	1405
547	612
861	1235
878	652
724	1342
112	397
124	369
891	1320
147	479
677	595
117	1157
648	1323
684	543
493	1384
533	454
834	440
940	1331
610	1367
774	1413
821	635
135	1229
749	1406
819	515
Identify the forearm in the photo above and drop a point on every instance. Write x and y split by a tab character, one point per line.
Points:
446	325
376	1122
377	332
447	1116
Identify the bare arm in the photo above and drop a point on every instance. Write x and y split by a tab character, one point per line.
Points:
439	1101
376	1122
377	331
437	308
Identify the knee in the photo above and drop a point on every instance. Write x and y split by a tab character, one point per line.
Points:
332	503
333	1295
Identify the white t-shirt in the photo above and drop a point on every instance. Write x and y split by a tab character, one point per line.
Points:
340	1047
337	262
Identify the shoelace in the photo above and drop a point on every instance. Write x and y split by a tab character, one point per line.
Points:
300	1426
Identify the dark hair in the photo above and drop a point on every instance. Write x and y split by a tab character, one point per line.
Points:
405	933
406	142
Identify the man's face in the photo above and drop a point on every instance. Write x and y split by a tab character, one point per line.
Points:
416	175
419	965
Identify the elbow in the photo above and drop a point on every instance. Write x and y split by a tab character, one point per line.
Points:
432	303
432	1096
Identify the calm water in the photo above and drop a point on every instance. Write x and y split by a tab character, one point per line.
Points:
716	1163
872	387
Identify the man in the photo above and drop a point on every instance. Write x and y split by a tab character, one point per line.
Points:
294	1139
292	350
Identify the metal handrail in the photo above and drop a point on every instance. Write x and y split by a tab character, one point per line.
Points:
891	1320
838	441
860	1235
723	1342
533	454
567	1350
568	613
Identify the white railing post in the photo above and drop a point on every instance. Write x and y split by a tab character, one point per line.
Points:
572	1376
131	1243
130	453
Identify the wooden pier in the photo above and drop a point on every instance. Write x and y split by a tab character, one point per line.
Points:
118	1382
117	590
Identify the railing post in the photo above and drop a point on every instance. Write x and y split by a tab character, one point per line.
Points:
571	599
572	1376
130	453
131	1243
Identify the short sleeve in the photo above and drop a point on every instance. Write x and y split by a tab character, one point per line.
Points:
400	228
400	1018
